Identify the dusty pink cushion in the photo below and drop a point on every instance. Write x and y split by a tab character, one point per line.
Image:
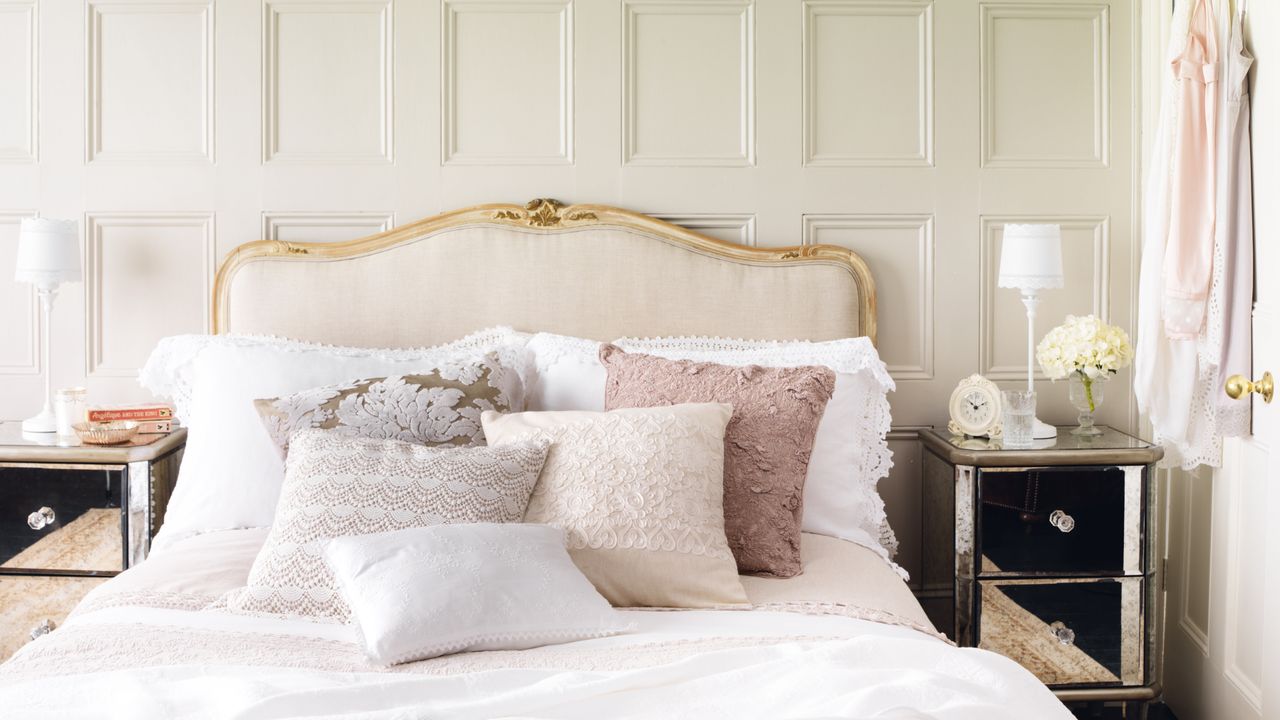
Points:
766	445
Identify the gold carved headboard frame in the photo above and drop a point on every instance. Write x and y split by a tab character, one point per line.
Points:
547	216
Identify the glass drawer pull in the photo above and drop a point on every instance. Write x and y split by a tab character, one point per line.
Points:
1065	635
1062	521
45	627
40	518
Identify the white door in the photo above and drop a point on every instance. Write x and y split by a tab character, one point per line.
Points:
1222	659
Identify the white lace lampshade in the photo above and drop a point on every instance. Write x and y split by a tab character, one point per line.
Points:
48	255
48	252
1031	257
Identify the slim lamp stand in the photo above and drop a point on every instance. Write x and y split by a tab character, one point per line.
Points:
1040	430
45	421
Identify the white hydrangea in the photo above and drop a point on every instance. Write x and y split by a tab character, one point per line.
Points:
1086	345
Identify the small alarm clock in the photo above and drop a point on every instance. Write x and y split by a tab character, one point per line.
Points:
975	408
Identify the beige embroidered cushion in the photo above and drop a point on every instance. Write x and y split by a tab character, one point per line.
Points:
640	495
440	406
337	486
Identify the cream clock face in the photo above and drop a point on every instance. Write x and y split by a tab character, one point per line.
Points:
975	407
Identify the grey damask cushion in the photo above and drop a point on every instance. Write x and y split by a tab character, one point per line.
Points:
441	406
338	486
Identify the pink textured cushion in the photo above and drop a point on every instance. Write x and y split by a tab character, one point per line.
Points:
767	443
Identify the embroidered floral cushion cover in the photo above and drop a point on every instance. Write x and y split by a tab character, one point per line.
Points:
440	407
850	451
339	486
231	473
767	441
424	592
640	496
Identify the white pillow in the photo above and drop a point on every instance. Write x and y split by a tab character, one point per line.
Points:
423	592
232	471
850	451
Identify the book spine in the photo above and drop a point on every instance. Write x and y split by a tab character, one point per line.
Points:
155	427
145	413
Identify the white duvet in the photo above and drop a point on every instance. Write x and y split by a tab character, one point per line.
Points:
697	664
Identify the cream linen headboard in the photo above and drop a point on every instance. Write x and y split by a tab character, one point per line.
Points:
587	270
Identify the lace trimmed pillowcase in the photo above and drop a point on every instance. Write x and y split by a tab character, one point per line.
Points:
850	450
639	494
339	486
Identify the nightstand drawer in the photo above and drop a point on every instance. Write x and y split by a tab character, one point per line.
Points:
1067	632
65	518
28	601
1060	521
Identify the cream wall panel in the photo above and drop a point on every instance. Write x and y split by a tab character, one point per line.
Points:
868	82
149	82
18	62
688	95
899	249
486	45
1045	78
147	276
19	320
734	228
1086	251
323	226
327	81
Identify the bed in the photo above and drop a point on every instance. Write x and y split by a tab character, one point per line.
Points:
845	638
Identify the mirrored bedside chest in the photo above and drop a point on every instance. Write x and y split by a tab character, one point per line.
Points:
1048	556
72	515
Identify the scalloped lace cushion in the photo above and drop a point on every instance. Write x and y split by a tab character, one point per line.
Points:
850	451
338	486
425	592
231	473
767	443
640	495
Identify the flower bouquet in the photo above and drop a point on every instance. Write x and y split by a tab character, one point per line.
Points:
1088	351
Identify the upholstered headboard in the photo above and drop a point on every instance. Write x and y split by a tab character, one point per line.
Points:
587	270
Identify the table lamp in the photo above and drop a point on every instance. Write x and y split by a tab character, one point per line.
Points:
48	255
1031	261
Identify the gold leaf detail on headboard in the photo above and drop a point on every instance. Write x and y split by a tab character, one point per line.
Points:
544	212
789	255
283	248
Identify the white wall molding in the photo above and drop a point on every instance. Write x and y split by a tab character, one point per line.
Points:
358	223
26	149
735	227
29	361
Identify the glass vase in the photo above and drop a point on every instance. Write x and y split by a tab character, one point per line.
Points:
1086	394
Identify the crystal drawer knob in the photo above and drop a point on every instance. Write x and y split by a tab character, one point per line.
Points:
44	628
1062	521
40	518
1065	635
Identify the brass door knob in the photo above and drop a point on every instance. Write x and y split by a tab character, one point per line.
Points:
1238	386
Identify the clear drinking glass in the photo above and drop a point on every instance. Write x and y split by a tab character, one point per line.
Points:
1019	418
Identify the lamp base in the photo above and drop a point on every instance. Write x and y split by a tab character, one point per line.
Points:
1042	430
42	423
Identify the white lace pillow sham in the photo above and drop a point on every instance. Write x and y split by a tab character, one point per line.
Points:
639	493
231	473
424	592
850	451
342	486
440	407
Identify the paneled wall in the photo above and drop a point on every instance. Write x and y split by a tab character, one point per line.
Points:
909	130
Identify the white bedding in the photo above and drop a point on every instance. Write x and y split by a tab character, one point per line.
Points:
136	649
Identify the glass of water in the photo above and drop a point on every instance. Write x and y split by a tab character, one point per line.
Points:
1019	418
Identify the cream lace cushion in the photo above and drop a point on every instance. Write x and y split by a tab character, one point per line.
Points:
440	407
339	486
767	442
425	592
640	496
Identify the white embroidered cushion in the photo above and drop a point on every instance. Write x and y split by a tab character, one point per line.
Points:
423	592
340	486
231	473
640	495
850	450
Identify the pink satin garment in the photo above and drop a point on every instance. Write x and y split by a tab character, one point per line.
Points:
1188	258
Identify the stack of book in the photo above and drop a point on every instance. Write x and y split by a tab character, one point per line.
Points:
152	418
